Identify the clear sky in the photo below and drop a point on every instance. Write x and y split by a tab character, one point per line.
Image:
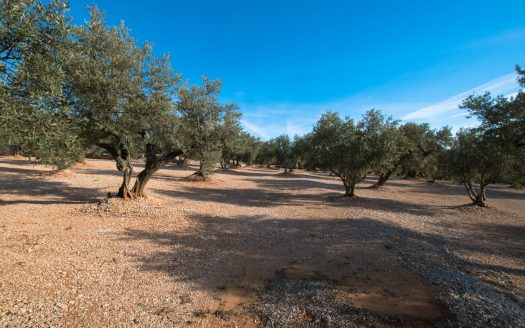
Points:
286	62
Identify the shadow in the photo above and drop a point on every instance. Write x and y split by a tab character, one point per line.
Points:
245	197
23	185
493	191
390	205
43	191
294	183
251	172
108	172
219	251
240	254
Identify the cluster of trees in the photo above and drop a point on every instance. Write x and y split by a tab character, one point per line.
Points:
352	150
493	152
66	90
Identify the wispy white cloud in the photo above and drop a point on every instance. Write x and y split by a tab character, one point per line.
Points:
268	120
256	130
272	119
505	85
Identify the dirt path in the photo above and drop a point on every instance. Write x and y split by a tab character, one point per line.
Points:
206	254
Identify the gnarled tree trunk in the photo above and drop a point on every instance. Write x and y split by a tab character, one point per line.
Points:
124	165
349	184
349	188
153	164
478	198
383	178
428	177
122	157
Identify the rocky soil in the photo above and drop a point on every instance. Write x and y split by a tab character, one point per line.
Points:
253	247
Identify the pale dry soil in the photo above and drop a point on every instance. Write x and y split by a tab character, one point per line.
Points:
210	254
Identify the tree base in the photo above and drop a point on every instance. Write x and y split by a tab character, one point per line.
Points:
197	177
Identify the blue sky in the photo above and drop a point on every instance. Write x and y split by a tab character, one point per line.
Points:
286	62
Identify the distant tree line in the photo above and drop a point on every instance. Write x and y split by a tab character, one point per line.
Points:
67	90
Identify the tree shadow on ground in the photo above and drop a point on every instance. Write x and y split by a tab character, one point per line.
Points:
241	253
258	245
250	172
296	183
452	189
285	193
244	197
43	191
494	239
389	205
220	251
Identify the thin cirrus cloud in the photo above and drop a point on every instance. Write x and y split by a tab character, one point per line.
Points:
267	121
503	85
270	120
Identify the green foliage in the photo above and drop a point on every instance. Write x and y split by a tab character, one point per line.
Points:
120	89
302	152
521	76
351	150
35	45
423	149
503	129
384	143
251	149
339	147
121	93
502	118
284	155
232	138
266	153
475	157
204	122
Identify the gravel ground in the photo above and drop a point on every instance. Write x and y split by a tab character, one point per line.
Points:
253	247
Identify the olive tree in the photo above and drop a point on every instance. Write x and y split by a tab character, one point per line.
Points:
423	149
232	139
266	153
385	144
338	146
476	160
35	106
251	148
203	118
284	155
351	150
503	122
120	91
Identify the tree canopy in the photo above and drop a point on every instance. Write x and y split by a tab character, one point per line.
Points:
66	88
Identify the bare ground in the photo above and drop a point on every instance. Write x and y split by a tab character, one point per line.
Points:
254	247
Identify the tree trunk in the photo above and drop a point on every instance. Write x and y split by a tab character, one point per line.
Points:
478	198
383	178
122	158
153	164
349	188
142	179
428	177
200	171
348	184
125	167
411	174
